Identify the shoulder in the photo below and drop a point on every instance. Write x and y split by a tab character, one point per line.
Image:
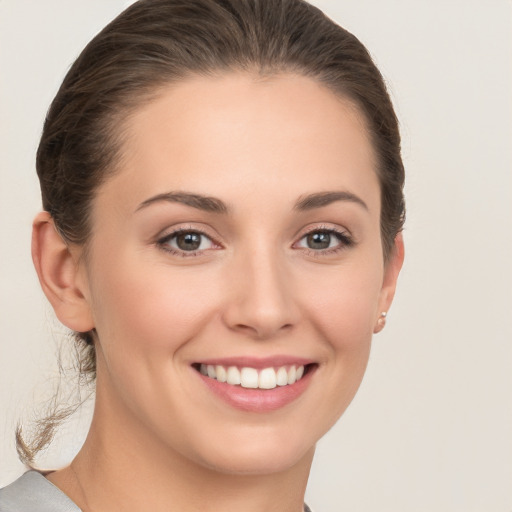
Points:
32	492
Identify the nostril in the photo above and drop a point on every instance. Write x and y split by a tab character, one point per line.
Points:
262	330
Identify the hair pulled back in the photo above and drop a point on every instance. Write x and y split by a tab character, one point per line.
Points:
157	42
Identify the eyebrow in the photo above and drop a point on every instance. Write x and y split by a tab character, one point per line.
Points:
214	205
320	199
205	203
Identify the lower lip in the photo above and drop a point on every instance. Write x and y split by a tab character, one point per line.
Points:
258	400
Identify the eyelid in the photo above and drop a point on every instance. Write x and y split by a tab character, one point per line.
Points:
162	239
197	227
333	228
345	237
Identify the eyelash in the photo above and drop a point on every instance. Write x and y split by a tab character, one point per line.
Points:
344	238
163	242
345	241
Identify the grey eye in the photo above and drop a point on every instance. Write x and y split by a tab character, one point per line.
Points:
323	239
319	240
188	241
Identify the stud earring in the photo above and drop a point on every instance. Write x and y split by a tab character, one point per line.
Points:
381	322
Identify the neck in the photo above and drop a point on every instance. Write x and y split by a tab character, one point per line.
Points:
107	481
124	468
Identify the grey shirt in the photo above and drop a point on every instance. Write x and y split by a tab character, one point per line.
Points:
32	492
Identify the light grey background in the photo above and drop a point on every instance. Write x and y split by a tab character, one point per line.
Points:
431	428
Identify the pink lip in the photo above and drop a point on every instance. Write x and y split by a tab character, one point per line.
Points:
258	400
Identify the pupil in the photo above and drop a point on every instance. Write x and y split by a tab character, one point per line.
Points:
319	240
188	241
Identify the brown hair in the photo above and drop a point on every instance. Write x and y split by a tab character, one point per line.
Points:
157	42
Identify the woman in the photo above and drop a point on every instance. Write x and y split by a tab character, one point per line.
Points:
222	194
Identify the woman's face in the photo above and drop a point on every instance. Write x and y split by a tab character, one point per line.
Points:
241	238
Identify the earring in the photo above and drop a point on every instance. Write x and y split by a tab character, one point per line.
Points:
381	322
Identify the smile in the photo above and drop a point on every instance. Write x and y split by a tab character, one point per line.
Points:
257	385
253	378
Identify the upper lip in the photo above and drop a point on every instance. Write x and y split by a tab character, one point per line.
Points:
257	362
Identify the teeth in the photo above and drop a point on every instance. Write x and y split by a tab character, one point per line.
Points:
222	374
233	376
251	378
282	377
267	379
292	375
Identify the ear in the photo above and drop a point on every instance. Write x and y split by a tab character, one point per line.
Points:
59	273
391	270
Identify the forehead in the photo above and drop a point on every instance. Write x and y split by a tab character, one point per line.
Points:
238	133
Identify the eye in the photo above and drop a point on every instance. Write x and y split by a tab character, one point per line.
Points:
325	240
186	241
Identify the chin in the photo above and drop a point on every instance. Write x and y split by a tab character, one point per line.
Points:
258	458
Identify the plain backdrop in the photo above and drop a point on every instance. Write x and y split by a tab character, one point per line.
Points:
431	427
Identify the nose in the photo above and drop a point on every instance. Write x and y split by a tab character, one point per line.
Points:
261	300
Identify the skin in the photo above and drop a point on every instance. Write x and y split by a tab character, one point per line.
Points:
254	289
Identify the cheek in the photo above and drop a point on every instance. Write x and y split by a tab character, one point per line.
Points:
344	305
343	309
149	309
